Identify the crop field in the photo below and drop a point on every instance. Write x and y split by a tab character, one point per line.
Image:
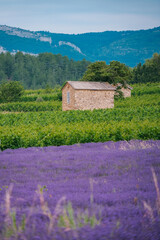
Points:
105	185
91	191
37	120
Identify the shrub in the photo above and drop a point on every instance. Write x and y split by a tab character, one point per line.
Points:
48	89
10	91
39	99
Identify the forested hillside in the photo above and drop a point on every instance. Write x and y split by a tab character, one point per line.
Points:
129	47
36	72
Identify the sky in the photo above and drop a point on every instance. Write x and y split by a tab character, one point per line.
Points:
72	16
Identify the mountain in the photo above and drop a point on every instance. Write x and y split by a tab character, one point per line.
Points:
129	47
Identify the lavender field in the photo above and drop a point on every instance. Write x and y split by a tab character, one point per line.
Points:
91	191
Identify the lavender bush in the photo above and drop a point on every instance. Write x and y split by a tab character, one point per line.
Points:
91	191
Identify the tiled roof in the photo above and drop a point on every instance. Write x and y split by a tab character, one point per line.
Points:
128	86
120	85
81	85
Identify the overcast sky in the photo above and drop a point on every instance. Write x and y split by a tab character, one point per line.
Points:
72	16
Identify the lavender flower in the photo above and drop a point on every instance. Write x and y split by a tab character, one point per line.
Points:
110	181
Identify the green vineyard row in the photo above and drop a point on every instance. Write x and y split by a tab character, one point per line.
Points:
67	134
31	106
96	116
28	124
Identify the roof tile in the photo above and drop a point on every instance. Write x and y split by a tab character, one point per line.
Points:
82	85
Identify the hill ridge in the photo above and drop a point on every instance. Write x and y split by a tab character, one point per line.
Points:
129	47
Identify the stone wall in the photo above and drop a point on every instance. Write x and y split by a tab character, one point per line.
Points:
65	105
91	99
126	92
86	99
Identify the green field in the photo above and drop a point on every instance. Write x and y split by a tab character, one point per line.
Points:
30	123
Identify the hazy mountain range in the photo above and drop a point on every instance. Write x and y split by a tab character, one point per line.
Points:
129	47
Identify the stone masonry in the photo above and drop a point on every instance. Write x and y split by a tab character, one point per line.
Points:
126	92
87	99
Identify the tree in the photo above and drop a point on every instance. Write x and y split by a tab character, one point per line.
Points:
149	71
9	63
95	72
120	72
113	73
37	71
10	91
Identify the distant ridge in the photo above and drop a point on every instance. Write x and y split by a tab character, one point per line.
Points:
129	47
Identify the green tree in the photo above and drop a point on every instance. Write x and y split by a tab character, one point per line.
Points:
120	72
149	71
3	77
37	71
95	72
10	91
113	73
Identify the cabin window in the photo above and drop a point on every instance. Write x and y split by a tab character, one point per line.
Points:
68	97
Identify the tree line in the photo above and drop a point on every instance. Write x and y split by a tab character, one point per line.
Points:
149	71
117	72
47	69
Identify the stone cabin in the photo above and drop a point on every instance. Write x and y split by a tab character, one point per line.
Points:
126	91
79	95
